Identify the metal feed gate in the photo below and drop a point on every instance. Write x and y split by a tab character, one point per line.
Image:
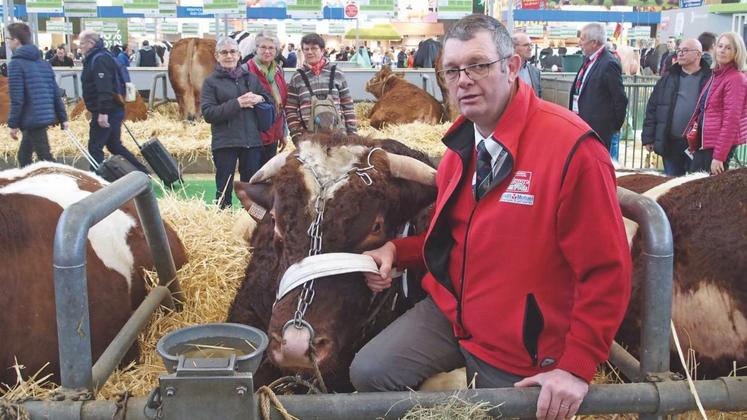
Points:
186	394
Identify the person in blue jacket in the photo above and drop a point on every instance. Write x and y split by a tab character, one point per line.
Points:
124	55
35	102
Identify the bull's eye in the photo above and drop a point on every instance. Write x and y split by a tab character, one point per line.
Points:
376	228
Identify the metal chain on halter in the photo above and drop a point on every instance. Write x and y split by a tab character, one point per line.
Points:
315	231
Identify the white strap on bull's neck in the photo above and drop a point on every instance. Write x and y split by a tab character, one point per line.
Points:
324	265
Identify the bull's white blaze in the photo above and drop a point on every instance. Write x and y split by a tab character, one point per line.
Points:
631	227
108	238
329	165
710	321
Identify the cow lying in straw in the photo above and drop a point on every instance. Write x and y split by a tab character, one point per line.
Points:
350	194
709	308
31	201
400	102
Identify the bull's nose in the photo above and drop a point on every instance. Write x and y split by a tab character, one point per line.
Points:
293	351
322	348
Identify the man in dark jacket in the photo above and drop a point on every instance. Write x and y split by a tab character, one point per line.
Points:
292	60
34	99
402	58
98	79
529	73
60	58
147	57
671	105
597	93
708	42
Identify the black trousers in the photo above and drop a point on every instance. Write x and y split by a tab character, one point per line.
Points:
250	159
111	137
34	140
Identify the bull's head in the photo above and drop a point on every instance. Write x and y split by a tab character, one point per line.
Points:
363	208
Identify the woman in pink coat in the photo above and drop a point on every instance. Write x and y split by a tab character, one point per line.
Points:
723	106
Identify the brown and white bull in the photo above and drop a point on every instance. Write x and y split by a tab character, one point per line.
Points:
400	102
4	100
31	202
371	189
709	307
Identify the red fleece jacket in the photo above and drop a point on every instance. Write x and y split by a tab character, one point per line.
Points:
536	275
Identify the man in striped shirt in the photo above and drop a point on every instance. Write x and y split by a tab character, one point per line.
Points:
319	71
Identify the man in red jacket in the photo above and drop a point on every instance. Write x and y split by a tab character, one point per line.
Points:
528	264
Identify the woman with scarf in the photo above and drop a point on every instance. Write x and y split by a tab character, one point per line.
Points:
227	102
270	74
721	111
319	72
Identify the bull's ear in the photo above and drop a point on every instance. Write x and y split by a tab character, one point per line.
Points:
257	199
400	74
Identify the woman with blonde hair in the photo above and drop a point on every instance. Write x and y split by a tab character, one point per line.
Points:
721	113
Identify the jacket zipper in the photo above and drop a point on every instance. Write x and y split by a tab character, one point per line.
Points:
464	278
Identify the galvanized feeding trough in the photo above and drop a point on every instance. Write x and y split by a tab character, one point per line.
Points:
210	367
208	364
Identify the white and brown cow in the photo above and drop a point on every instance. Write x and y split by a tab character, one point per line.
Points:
709	308
31	202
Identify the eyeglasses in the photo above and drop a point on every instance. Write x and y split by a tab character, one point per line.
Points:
265	48
683	51
227	52
475	72
529	44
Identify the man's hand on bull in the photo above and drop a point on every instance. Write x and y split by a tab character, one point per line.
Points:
384	258
561	395
14	133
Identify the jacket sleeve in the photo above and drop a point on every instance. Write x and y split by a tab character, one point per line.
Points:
347	105
212	111
613	77
735	91
293	109
59	106
17	91
648	133
410	252
592	238
104	83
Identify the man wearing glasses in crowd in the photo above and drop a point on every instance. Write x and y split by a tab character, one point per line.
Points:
529	267
671	105
529	73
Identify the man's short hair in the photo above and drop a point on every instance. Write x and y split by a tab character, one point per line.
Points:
595	32
21	32
62	47
468	27
291	46
145	43
707	40
88	35
312	39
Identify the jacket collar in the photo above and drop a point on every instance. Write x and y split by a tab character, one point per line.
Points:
460	136
725	68
27	52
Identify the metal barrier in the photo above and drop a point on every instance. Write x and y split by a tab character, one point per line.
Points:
76	85
427	84
152	104
70	284
556	88
657	397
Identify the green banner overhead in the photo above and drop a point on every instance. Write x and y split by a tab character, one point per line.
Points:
169	28
378	8
146	7
190	29
223	7
167	8
44	6
304	9
336	28
80	8
64	28
135	26
114	31
454	9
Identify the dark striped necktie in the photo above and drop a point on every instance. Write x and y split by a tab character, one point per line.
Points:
483	173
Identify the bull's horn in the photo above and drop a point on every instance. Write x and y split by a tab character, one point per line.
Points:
405	167
270	169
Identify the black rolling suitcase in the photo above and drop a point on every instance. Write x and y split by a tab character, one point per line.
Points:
159	159
111	169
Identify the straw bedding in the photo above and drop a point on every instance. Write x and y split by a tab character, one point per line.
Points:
218	257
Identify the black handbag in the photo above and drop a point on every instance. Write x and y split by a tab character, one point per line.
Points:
265	112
